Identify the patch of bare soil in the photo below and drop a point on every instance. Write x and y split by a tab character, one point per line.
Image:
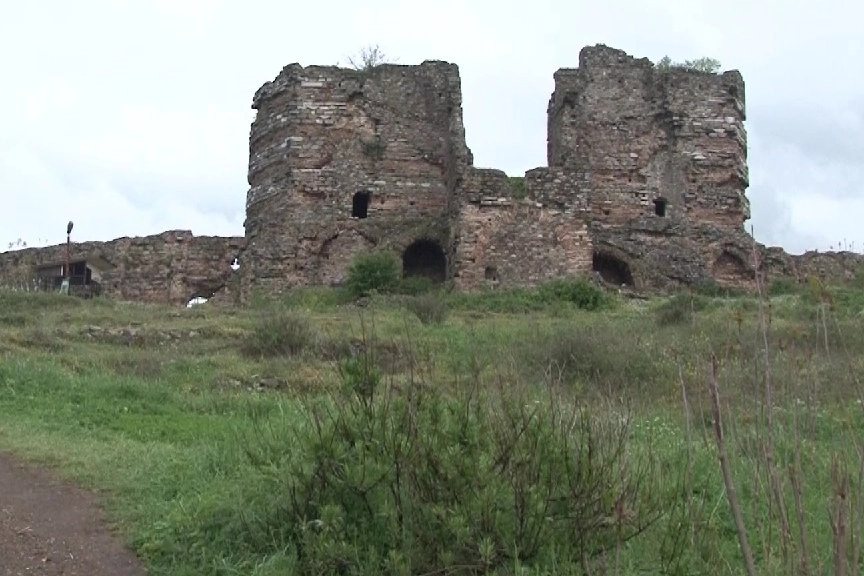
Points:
50	527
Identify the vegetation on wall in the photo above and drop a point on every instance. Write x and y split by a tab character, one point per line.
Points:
704	64
517	184
375	147
368	58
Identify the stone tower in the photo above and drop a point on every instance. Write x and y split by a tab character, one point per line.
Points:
666	156
341	161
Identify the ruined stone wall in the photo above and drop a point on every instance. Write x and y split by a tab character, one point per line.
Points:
825	266
666	154
172	267
521	239
323	135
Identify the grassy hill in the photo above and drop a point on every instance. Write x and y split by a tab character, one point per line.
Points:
501	433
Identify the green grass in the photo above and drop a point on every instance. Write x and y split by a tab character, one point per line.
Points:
205	427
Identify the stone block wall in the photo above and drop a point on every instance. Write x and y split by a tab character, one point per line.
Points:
511	239
666	153
826	266
328	142
170	268
645	186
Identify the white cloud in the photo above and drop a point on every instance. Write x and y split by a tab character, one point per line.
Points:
132	117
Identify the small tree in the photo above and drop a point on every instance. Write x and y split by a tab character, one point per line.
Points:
374	272
370	57
704	64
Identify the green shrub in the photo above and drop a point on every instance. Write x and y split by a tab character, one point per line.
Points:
370	272
508	301
679	309
383	480
429	308
602	355
517	184
580	292
548	296
279	333
783	286
414	285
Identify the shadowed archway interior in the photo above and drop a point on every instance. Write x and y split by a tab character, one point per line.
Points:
425	258
612	269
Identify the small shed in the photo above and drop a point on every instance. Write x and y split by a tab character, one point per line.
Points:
85	276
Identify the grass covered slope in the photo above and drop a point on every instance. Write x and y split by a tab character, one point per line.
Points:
531	432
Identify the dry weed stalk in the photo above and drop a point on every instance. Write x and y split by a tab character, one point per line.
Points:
768	448
725	467
840	515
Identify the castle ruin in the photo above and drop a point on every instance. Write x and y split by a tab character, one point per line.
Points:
645	182
644	187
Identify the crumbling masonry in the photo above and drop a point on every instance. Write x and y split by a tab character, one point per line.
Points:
645	182
645	187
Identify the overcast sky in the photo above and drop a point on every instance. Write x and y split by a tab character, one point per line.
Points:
132	117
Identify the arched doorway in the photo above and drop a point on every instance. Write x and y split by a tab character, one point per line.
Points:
612	269
425	258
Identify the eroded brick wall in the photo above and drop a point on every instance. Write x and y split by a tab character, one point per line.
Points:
825	266
510	239
324	134
646	136
172	267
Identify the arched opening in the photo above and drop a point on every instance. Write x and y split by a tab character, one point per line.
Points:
425	258
235	264
360	205
660	207
196	301
612	269
731	268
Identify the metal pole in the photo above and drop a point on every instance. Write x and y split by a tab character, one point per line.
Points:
68	257
67	280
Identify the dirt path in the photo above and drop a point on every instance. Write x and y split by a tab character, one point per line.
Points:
50	527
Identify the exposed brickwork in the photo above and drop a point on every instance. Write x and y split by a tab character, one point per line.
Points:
172	267
512	241
647	137
826	266
324	134
645	185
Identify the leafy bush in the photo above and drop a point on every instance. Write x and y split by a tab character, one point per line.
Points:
279	333
679	309
414	285
507	301
580	292
517	184
429	308
607	357
783	286
379	272
704	64
383	480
